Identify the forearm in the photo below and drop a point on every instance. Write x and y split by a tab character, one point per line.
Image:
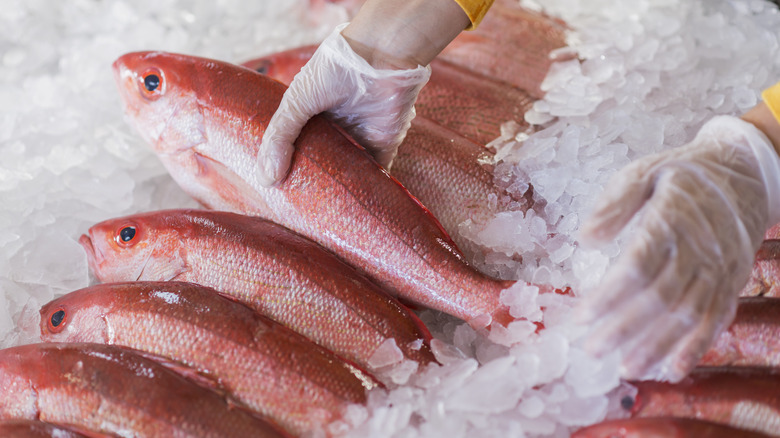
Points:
402	34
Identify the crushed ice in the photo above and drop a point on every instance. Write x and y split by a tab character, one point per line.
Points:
647	76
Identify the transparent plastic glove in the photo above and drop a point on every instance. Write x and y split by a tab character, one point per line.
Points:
375	106
701	211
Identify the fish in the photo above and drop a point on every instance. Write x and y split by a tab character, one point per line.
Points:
752	339
85	386
276	272
35	429
467	103
511	44
270	369
205	120
663	427
765	277
742	397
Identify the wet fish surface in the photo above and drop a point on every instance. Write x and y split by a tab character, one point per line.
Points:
663	427
280	274
512	44
752	339
86	386
35	429
267	367
743	397
765	277
205	126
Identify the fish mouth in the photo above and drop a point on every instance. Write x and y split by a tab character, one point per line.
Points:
92	254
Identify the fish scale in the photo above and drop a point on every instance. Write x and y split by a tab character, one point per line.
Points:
86	386
334	193
269	368
280	274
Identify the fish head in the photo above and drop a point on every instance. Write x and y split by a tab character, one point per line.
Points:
159	99
145	246
282	66
79	316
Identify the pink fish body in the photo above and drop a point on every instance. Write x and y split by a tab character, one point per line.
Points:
35	429
743	397
280	274
765	278
663	427
267	367
205	125
752	339
114	391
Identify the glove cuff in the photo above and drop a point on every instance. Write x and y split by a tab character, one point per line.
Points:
771	98
767	158
336	47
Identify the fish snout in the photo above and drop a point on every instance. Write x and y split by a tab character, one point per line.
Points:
94	257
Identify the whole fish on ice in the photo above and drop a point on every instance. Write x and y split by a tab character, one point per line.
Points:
280	274
112	390
267	367
205	125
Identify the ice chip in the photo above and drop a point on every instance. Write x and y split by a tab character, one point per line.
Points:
590	377
386	354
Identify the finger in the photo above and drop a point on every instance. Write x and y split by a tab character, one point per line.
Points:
385	157
650	355
636	269
276	149
690	349
624	196
632	318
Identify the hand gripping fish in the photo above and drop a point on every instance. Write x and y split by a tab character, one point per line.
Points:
87	387
443	161
278	273
205	126
464	102
267	367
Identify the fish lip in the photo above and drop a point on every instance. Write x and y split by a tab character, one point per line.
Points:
92	254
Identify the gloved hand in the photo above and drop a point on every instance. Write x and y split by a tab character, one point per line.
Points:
701	211
375	106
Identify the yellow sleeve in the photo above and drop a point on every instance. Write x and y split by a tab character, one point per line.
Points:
475	9
771	98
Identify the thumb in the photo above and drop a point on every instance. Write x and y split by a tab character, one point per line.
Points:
276	149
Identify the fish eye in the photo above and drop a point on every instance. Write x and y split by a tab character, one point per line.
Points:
262	68
152	84
627	402
56	320
126	235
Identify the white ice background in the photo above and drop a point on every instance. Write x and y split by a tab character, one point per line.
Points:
648	74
